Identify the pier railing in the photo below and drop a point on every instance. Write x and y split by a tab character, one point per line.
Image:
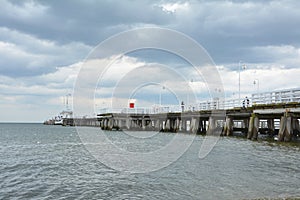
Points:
275	97
143	110
281	96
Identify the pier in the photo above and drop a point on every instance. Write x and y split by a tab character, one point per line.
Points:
272	114
277	119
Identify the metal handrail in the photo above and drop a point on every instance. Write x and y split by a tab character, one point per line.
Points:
275	97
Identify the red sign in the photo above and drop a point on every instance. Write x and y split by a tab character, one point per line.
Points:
131	105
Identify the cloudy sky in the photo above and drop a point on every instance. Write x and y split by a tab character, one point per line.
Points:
43	44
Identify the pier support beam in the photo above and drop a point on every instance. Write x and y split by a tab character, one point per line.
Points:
132	124
253	127
106	124
128	122
177	125
167	125
228	127
194	125
143	124
183	125
211	126
157	125
109	123
285	131
101	124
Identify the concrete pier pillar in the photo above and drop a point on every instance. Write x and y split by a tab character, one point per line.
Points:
253	128
121	124
162	124
194	125
183	125
180	125
143	124
197	125
157	125
101	123
112	123
116	123
140	121
171	125
138	124
167	125
109	124
228	127
125	124
98	124
211	126
105	123
285	131
177	125
132	124
128	122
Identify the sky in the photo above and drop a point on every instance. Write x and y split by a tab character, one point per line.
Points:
44	44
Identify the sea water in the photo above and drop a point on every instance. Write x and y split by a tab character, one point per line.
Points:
50	162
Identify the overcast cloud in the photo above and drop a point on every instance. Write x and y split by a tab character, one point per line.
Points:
43	43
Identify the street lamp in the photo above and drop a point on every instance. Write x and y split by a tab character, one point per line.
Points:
188	96
243	67
162	88
67	101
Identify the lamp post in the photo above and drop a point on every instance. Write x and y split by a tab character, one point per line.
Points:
162	88
188	96
67	101
243	67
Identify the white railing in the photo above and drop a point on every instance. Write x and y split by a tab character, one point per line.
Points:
143	110
282	96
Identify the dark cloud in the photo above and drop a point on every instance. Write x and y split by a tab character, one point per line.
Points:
87	21
229	30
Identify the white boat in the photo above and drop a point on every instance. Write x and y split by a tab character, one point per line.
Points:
58	120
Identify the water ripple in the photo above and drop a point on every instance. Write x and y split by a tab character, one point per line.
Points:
50	163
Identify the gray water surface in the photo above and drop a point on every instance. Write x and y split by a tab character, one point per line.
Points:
50	162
